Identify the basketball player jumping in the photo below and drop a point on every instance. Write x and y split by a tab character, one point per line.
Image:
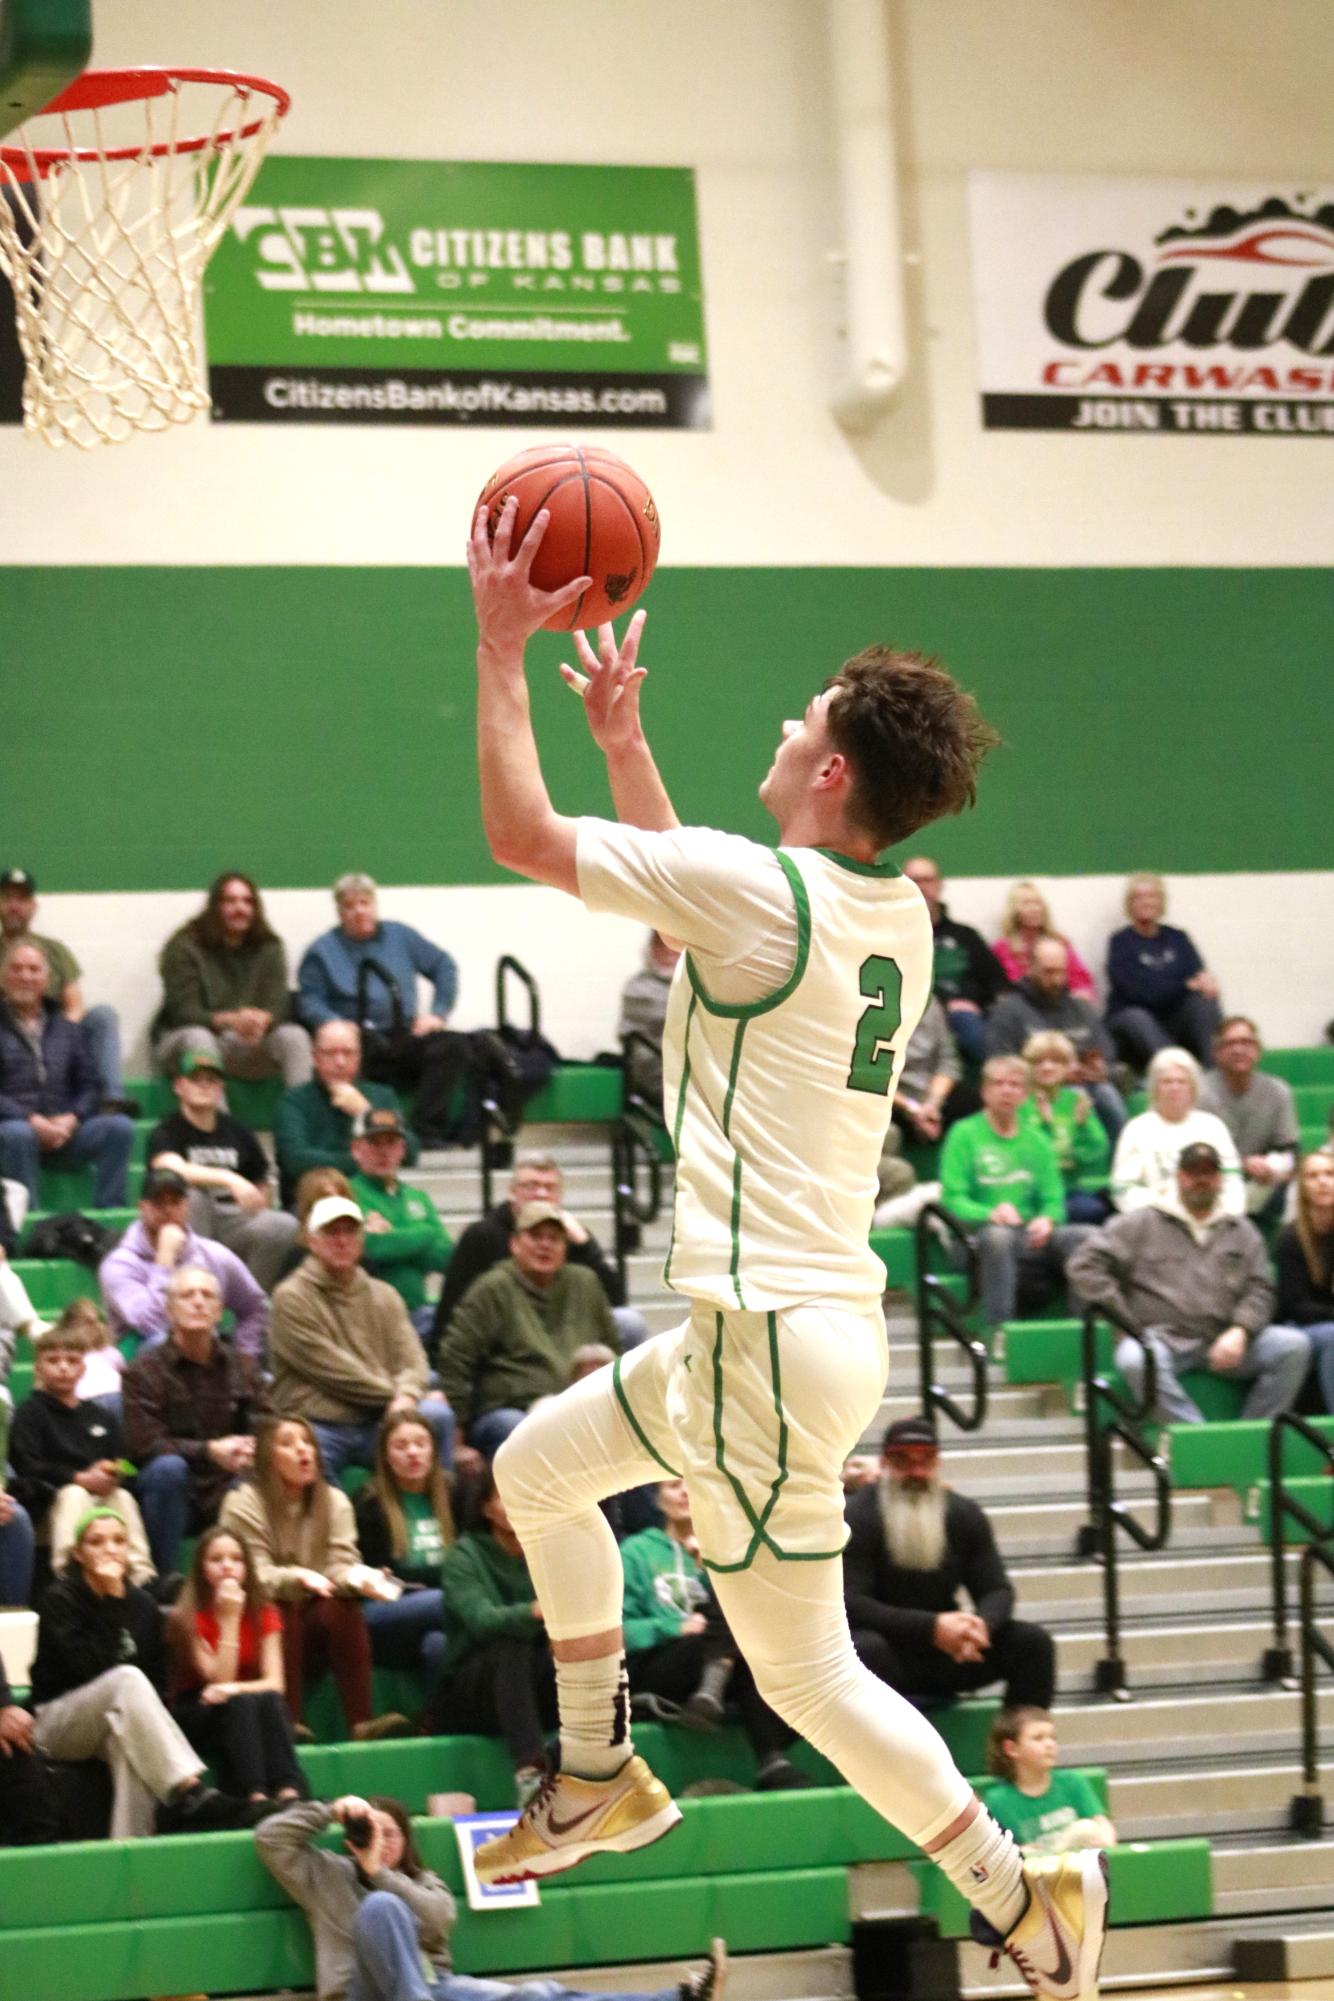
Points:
806	969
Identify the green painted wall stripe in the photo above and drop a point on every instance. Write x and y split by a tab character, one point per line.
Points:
1152	717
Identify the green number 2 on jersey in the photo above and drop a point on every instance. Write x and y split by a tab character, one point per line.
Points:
872	1058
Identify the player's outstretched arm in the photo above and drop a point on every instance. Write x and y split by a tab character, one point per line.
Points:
609	689
523	830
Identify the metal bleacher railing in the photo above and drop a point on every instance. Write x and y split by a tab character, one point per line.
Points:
1307	1812
637	1139
1110	1415
941	1313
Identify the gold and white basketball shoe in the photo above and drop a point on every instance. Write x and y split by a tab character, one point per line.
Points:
568	1819
1057	1943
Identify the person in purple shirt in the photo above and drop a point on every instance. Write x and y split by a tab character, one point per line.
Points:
50	1090
366	970
135	1276
1160	994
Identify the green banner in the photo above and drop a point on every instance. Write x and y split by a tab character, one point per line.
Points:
428	291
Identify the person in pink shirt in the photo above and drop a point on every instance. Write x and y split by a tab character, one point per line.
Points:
1028	918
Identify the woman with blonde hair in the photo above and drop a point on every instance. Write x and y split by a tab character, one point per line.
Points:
405	1523
1159	990
1144	1166
1304	1257
1027	917
303	1542
1065	1114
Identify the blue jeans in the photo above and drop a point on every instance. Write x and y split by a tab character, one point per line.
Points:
969	1031
1274	1364
388	1966
354	1444
1321	1338
489	1433
105	1140
101	1032
162	1490
409	1633
16	1550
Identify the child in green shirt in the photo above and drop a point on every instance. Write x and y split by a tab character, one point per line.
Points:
1046	1810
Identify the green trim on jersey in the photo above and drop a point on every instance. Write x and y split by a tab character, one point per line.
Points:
676	1136
745	1010
760	1539
633	1422
856	867
734	1268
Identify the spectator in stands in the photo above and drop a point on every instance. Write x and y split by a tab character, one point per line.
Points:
931	1096
406	1242
405	1523
1144	1165
1048	1811
1063	1111
191	1407
681	1658
303	1544
135	1276
97	1683
1258	1112
913	1546
968	977
499	1677
1159	990
225	1169
1027	919
50	1091
1191	1275
225	990
64	986
380	1920
514	1336
1043	1000
344	1352
1000	1179
67	1455
312	1126
1304	1256
536	1178
103	1364
18	1315
644	1016
365	970
17	1549
28	1813
227	1641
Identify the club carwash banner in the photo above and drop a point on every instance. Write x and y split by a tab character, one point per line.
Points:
1153	305
444	292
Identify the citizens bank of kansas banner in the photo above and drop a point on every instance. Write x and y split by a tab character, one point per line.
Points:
1153	305
432	292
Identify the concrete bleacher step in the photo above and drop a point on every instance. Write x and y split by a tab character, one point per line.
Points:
1238	1582
1291	1951
1273	1875
1212	1795
822	1973
1174	1724
1047	1528
1168	1653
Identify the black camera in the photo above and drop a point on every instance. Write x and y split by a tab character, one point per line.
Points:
360	1830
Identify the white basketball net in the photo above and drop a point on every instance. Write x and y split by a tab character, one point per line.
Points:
106	256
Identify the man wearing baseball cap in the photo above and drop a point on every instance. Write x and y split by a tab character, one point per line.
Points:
224	1167
514	1335
136	1275
343	1351
1193	1278
64	986
914	1547
405	1239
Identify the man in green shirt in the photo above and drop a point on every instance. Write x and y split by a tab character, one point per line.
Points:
1001	1180
405	1238
101	1025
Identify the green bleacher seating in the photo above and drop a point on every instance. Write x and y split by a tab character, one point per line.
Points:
578	1094
1236	1455
1301	1066
62	1190
898	1249
1314	1493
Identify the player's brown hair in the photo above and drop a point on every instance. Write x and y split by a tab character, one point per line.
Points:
914	738
1005	1729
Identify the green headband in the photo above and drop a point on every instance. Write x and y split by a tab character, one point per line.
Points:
91	1515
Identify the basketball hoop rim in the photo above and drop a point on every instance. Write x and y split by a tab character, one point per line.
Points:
96	89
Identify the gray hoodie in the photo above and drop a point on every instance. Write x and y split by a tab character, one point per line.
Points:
1159	1267
329	1887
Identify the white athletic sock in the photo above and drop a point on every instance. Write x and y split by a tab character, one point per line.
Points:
985	1866
594	1699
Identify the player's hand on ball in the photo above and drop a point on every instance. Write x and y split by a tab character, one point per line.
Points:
510	608
610	683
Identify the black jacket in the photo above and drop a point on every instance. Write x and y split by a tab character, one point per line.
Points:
49	1444
81	1635
1301	1302
966	968
903	1604
485	1242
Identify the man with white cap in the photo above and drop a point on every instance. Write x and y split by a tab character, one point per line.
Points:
343	1350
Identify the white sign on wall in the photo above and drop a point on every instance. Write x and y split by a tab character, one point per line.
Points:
1132	304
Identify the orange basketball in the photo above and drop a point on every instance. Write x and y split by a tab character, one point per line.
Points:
603	525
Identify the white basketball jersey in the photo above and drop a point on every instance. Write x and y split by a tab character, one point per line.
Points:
778	1103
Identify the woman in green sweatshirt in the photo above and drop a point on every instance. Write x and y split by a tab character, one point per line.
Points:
499	1677
1068	1118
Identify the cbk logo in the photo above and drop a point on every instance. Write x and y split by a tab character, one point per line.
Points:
322	250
